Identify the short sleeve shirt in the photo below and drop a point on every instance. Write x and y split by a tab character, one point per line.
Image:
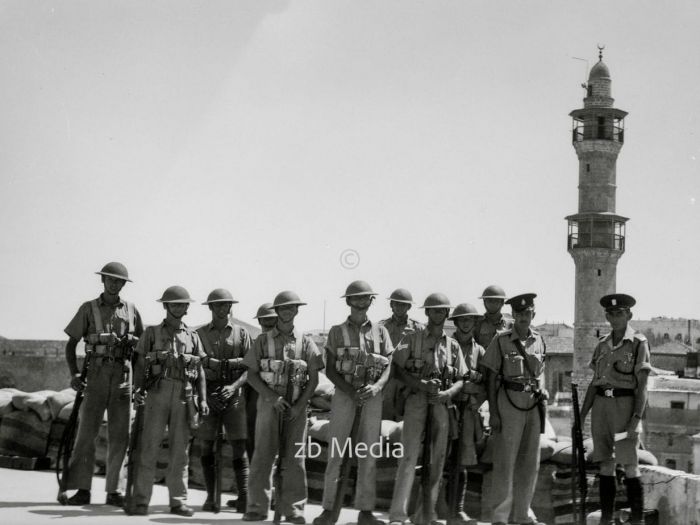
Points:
115	318
398	329
336	339
177	341
285	348
487	328
618	366
220	344
435	352
473	354
502	357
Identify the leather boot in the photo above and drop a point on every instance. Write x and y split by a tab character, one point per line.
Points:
209	473
635	499
458	516
240	471
606	489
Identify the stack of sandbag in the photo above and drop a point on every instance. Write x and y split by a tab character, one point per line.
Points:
323	393
25	426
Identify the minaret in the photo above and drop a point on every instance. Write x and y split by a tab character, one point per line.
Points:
596	237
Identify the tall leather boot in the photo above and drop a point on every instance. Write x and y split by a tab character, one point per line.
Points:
209	473
635	499
457	515
240	470
606	488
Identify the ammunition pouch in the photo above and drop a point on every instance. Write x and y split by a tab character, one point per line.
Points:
274	373
191	407
164	364
414	366
376	364
346	359
106	347
225	370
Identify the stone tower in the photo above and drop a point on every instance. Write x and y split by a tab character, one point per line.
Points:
596	235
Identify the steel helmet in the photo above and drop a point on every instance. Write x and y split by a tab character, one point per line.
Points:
436	300
220	295
464	310
493	292
286	298
175	294
265	310
115	269
401	295
358	288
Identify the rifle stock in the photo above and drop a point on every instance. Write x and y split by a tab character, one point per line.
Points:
578	462
283	424
65	447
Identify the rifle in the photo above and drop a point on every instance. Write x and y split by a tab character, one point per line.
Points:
136	430
219	443
456	467
65	446
578	462
281	453
343	481
427	505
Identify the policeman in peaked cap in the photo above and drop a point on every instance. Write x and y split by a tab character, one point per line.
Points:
110	327
225	344
516	411
358	353
399	325
616	397
430	364
493	321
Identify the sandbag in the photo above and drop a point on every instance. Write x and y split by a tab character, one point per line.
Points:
6	405
57	400
320	402
24	434
392	430
64	414
325	388
318	429
34	401
563	452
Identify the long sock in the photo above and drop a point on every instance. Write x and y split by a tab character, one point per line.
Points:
635	499
209	473
606	489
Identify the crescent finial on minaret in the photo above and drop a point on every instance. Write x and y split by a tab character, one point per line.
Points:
600	52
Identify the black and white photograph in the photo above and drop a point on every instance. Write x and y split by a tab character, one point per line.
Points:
329	262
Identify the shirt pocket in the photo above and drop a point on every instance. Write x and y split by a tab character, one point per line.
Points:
624	364
513	365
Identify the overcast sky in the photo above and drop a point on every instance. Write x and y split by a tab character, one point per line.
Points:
249	145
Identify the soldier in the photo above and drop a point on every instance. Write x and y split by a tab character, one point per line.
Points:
469	399
358	354
424	356
225	345
493	320
398	325
617	396
111	327
268	365
267	319
516	356
168	358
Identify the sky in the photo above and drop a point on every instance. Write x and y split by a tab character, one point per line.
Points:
266	145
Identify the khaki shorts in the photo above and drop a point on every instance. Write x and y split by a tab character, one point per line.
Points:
610	415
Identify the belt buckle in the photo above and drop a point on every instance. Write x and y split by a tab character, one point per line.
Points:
527	388
609	392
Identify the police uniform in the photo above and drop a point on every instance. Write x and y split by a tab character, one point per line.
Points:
268	350
617	368
173	355
398	328
223	365
517	446
108	387
351	344
422	354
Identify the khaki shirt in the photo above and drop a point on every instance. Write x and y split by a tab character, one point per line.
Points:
473	354
487	328
436	352
618	366
503	357
335	338
285	348
397	329
180	340
115	318
220	344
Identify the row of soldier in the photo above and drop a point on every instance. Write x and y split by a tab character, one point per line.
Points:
259	391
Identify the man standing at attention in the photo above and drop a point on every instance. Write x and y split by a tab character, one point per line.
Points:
111	328
493	320
617	396
516	413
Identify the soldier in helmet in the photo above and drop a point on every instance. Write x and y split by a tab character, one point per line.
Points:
168	362
617	396
398	325
428	361
517	357
273	356
225	344
468	400
358	354
493	320
110	327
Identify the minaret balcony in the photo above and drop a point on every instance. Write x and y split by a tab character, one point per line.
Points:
583	132
596	230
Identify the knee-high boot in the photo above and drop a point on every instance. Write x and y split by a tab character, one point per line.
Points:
240	470
635	499
209	473
606	488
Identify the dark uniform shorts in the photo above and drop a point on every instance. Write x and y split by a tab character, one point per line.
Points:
610	415
234	420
